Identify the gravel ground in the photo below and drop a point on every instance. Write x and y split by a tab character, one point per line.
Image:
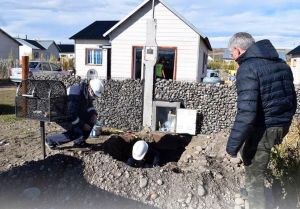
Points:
68	178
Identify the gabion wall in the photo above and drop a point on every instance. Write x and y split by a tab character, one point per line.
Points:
215	103
297	87
68	80
121	105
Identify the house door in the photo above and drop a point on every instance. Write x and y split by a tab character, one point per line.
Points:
168	55
108	63
137	62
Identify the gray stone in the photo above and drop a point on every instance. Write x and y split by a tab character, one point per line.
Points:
201	191
159	182
143	182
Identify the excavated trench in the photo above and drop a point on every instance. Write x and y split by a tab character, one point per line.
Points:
170	147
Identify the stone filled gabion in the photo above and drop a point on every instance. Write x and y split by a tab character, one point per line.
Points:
68	80
215	103
121	105
297	87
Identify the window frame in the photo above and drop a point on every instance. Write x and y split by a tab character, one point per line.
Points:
91	59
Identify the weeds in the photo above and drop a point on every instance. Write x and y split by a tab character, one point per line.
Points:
284	169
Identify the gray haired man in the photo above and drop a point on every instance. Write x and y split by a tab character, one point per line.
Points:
266	104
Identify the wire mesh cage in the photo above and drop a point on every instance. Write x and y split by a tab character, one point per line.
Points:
43	100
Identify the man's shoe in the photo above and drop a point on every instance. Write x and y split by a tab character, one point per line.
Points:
81	144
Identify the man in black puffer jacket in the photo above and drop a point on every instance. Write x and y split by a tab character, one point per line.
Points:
266	104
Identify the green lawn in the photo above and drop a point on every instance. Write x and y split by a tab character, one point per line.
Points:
7	105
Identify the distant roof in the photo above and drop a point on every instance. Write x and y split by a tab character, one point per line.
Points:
94	30
66	48
295	51
31	43
10	36
172	10
45	43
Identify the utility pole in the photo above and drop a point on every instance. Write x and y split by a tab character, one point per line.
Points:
150	58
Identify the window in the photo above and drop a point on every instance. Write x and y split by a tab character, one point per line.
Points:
94	56
204	66
137	62
294	62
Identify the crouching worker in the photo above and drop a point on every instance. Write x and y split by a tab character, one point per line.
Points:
83	114
143	156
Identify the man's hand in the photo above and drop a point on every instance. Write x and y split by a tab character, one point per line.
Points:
86	127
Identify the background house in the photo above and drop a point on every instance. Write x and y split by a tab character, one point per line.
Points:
92	50
38	49
9	47
66	51
183	46
295	63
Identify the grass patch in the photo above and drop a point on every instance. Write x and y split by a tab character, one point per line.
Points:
7	106
5	82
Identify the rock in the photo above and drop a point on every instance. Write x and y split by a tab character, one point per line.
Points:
153	196
189	199
201	191
159	182
239	201
236	160
198	148
32	193
238	207
143	182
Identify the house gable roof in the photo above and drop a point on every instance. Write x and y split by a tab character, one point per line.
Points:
172	10
9	36
45	43
66	48
94	30
295	51
31	43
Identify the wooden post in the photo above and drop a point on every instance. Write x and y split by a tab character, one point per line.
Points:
25	69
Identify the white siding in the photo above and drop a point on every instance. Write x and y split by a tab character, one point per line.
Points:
80	57
7	45
295	66
171	32
25	51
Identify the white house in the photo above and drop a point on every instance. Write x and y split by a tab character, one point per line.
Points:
8	46
38	49
92	50
295	63
182	45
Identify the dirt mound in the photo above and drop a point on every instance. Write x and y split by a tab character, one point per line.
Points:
195	176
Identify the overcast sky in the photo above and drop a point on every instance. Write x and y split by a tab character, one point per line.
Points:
277	20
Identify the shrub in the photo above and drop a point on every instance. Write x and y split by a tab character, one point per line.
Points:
284	167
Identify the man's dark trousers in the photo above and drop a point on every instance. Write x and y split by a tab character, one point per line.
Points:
256	155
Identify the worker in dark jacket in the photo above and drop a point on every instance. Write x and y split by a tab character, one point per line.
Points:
82	112
266	104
